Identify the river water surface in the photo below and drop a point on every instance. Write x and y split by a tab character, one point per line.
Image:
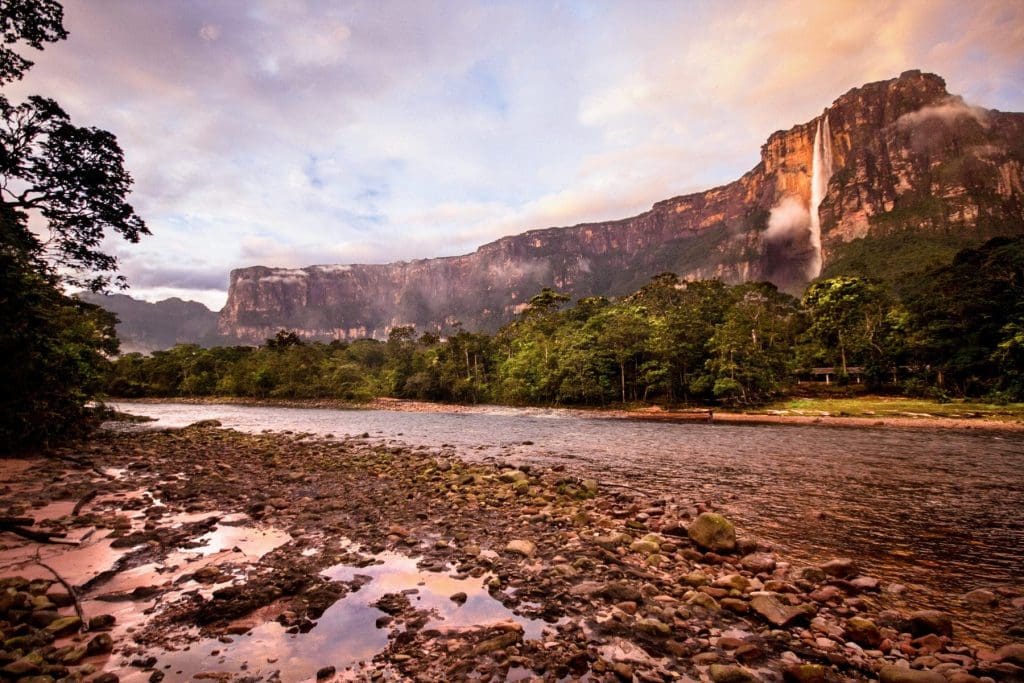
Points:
939	511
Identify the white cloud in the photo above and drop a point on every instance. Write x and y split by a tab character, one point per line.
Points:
209	32
287	133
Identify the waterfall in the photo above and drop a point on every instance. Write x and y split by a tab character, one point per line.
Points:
821	171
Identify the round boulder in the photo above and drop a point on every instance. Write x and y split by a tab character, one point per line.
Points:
931	621
864	632
713	532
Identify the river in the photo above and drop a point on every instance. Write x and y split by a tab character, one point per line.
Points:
939	511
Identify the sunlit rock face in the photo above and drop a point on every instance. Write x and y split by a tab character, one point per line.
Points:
906	158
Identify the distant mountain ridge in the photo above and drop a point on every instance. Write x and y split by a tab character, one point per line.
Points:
146	326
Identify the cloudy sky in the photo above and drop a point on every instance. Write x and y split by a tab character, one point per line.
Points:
290	133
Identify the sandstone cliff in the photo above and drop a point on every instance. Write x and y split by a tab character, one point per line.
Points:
909	159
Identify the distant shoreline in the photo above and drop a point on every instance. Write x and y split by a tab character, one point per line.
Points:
647	413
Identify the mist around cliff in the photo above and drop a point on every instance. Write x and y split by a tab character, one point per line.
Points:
947	112
788	254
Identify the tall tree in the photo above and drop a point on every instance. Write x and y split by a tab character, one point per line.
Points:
847	318
751	350
72	183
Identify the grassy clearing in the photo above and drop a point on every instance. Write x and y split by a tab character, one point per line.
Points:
886	406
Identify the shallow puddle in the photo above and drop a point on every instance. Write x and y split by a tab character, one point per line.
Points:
54	510
396	573
346	635
252	542
76	564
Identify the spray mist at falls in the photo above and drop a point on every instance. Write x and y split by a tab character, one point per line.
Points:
821	172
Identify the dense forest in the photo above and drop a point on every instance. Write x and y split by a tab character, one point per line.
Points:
954	330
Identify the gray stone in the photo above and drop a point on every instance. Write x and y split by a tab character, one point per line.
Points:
620	591
20	668
64	626
865	583
101	644
1011	652
864	632
644	547
758	563
696	578
732	581
841	567
981	596
653	627
805	673
514	476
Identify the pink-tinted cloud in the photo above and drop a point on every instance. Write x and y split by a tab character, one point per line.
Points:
297	132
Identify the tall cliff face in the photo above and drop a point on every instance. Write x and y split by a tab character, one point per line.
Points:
908	159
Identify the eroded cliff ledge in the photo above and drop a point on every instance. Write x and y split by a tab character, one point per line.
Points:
908	159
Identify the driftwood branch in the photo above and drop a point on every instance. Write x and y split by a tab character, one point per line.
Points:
612	558
37	536
83	501
71	591
67	586
16	521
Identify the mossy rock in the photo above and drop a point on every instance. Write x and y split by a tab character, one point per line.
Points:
713	532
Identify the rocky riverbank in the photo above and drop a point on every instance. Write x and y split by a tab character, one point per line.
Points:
209	554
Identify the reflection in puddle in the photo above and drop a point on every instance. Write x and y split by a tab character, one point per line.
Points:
346	634
76	564
253	542
55	510
397	573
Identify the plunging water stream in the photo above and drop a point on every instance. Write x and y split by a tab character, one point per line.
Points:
821	173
